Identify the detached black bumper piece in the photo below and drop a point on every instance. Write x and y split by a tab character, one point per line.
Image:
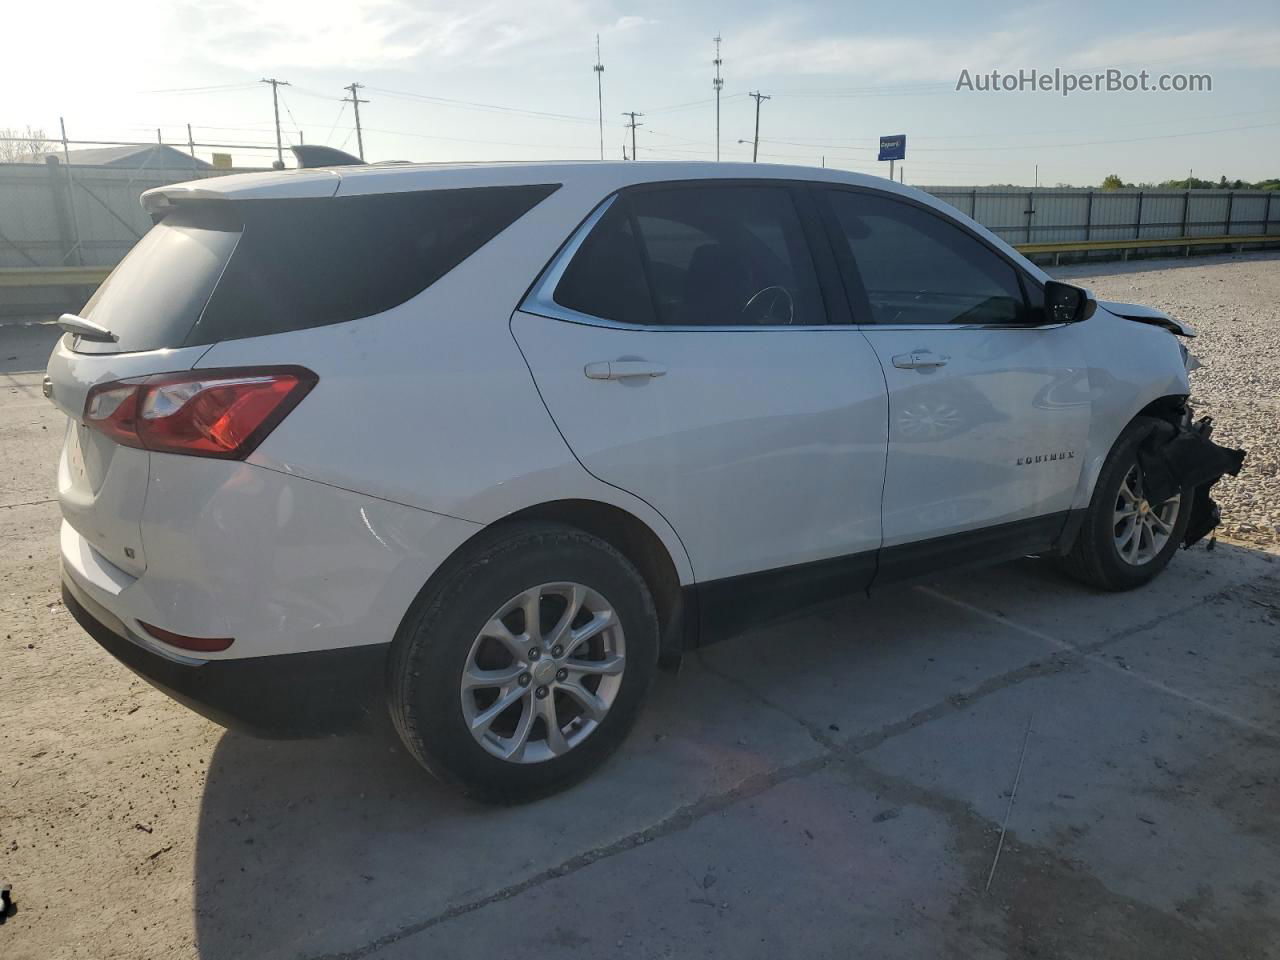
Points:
287	696
1175	456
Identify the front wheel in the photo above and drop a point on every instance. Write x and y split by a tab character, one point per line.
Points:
1126	540
524	669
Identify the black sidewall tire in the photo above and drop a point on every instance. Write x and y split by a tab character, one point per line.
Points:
431	649
1095	556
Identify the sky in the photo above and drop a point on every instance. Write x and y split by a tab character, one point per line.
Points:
451	80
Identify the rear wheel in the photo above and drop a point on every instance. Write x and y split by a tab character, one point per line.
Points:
1126	540
524	669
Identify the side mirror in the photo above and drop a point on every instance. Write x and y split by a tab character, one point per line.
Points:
1064	303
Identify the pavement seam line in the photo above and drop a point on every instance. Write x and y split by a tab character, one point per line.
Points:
691	813
27	503
1091	652
681	819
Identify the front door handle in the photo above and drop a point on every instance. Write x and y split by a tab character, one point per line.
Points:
622	369
920	360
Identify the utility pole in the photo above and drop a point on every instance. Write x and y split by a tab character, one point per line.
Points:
718	83
755	144
355	102
599	69
191	144
275	103
632	114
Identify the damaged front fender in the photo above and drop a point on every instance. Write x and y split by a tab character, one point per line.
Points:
1177	456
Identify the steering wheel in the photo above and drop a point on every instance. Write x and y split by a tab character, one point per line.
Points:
771	306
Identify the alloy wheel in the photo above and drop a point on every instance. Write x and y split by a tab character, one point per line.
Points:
1141	530
543	672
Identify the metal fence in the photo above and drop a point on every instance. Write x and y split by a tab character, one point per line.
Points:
1073	214
52	214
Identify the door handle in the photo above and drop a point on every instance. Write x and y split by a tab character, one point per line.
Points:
920	360
622	369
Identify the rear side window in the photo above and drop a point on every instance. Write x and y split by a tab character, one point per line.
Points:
307	263
223	271
721	255
915	267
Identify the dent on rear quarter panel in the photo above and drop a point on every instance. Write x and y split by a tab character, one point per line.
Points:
430	404
1130	365
281	563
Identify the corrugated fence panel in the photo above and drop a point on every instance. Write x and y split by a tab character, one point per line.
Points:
41	209
38	226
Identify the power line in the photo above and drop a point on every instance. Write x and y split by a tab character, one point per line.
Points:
218	88
296	125
355	102
472	104
334	126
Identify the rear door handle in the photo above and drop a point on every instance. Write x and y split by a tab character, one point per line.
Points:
920	359
622	369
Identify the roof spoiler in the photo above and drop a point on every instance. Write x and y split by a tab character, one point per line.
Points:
314	155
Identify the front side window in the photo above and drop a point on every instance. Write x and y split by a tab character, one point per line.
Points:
917	268
702	255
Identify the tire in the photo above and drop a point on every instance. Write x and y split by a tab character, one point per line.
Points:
451	629
1096	557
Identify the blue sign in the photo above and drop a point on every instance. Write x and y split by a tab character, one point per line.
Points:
893	148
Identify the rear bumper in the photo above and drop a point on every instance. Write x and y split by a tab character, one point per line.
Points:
310	694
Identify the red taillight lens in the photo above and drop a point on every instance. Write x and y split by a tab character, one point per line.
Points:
201	644
205	413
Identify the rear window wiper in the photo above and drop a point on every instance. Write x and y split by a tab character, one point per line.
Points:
86	329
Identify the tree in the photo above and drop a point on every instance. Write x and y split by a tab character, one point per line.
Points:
1113	182
23	147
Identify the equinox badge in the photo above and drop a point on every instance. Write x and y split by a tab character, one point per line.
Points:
1046	457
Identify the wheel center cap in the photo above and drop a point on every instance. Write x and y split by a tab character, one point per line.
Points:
544	672
1144	508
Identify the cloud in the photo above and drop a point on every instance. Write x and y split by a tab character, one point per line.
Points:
631	23
368	34
1230	46
788	46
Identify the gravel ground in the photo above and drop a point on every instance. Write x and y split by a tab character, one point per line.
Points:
1234	303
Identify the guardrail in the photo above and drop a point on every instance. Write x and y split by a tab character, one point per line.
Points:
1124	246
53	276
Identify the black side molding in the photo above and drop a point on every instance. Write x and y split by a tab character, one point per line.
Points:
724	608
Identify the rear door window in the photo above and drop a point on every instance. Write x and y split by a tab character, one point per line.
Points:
225	271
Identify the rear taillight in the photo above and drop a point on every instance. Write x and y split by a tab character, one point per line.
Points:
204	413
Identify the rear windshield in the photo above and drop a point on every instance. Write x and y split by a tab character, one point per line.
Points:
222	271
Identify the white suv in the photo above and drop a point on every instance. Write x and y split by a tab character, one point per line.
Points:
484	444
